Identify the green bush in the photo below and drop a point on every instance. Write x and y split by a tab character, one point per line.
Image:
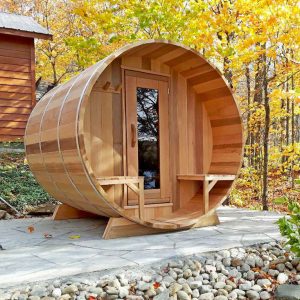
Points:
290	227
17	184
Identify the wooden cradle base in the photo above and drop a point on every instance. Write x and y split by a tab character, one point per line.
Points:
122	227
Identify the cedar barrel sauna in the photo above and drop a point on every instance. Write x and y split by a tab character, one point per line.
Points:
151	137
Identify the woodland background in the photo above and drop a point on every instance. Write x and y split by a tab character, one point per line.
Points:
255	43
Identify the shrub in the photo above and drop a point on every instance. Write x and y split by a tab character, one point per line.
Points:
290	226
17	184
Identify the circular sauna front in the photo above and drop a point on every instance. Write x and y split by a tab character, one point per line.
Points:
151	133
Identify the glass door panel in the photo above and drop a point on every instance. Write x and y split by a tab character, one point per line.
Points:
148	136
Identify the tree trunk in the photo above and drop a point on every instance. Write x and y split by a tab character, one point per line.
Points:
265	137
249	134
293	133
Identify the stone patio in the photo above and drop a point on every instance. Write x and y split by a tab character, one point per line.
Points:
32	257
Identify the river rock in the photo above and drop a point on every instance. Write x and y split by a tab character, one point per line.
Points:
56	292
219	285
264	282
264	295
282	278
253	295
207	296
182	295
174	288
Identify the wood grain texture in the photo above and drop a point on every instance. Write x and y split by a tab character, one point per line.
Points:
17	85
82	131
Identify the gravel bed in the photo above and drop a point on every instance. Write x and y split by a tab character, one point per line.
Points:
238	273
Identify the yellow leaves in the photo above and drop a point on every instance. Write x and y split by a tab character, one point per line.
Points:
277	94
74	237
272	53
272	21
30	229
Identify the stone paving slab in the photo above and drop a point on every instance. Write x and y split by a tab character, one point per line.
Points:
31	257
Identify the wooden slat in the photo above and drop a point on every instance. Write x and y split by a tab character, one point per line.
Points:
15	96
14	68
12	124
12	131
14	54
14	82
230	146
14	103
32	73
204	77
14	61
165	49
225	121
15	89
215	93
16	43
211	185
164	133
191	177
141	199
179	59
195	71
151	205
163	78
10	138
146	75
202	177
13	116
117	180
15	110
14	75
209	85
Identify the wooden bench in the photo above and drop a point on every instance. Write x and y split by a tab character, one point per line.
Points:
136	184
209	181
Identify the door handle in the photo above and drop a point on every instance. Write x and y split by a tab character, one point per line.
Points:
133	135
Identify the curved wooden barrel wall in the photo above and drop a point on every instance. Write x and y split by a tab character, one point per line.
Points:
67	150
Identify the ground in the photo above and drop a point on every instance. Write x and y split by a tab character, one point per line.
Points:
76	246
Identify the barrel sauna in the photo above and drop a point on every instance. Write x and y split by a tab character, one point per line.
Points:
150	137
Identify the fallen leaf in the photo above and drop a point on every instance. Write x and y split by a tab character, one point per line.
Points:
156	285
48	235
30	229
92	298
74	237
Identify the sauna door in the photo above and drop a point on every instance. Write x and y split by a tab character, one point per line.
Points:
147	134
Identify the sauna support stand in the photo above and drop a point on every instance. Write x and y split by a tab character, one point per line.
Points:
121	227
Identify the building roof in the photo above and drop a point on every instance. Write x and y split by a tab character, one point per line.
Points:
22	26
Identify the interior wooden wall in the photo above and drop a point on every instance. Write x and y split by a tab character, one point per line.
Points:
17	85
104	130
191	150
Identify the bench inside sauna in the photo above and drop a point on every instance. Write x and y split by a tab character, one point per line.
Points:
151	137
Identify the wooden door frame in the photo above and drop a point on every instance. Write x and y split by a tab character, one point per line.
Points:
138	73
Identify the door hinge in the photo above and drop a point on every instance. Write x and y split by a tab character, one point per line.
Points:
168	91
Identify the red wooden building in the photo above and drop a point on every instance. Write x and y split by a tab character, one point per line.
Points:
17	72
